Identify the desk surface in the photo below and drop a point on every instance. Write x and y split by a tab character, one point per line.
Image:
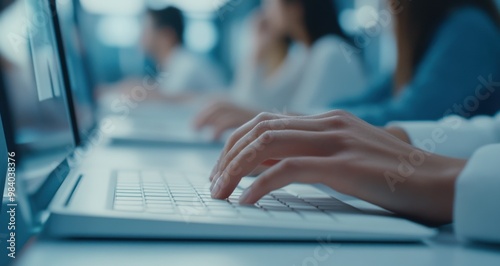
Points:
43	251
443	250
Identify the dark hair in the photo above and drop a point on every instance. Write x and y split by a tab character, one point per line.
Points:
170	17
4	4
321	18
416	26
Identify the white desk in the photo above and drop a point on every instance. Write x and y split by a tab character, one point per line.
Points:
440	251
43	251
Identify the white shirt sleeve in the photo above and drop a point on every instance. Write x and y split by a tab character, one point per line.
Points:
477	195
329	76
453	136
185	71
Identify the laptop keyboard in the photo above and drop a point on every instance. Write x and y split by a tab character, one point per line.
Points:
163	193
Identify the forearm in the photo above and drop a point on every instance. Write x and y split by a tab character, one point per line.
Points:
421	186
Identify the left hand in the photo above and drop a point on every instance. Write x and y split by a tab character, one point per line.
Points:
222	116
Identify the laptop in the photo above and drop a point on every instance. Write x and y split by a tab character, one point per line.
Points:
14	224
92	202
133	122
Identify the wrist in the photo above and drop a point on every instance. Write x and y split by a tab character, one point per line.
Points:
439	188
399	133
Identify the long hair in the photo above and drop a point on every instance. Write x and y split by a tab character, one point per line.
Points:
416	26
321	18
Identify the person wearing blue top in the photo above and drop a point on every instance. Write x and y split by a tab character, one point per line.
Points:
448	63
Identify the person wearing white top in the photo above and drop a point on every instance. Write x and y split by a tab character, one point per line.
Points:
185	72
268	78
377	165
329	76
257	88
326	75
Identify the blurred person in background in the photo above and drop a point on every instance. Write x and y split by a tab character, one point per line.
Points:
448	62
163	41
327	74
184	74
267	78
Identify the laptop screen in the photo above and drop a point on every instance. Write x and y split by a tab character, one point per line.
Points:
69	36
4	150
43	130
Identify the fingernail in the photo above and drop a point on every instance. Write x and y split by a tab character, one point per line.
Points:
245	196
217	187
215	190
214	181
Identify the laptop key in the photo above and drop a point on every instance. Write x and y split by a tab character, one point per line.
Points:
217	203
159	202
271	204
128	203
129	195
226	207
151	194
306	208
128	198
276	208
251	212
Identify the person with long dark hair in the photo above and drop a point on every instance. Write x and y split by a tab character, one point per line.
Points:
448	53
327	74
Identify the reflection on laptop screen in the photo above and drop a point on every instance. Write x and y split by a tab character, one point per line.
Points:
3	157
44	136
78	75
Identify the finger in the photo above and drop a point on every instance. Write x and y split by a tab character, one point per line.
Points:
270	145
223	123
242	131
208	115
309	170
259	170
270	125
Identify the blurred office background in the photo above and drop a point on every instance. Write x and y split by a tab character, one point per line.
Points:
216	29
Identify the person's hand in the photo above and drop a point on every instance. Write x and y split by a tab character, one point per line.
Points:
399	133
343	152
222	116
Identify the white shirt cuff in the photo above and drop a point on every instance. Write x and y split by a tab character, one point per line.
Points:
477	195
452	137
